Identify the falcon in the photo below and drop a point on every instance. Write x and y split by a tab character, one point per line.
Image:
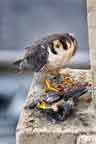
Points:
50	53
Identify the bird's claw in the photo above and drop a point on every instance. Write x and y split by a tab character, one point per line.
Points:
50	86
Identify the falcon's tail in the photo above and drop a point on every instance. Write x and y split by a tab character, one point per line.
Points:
17	63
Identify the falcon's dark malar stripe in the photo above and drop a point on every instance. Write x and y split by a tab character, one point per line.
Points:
52	49
65	47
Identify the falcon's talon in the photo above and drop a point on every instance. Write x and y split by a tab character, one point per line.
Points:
50	86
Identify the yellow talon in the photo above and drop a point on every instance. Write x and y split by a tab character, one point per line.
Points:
50	87
68	81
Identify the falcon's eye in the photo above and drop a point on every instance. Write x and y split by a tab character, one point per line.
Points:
57	44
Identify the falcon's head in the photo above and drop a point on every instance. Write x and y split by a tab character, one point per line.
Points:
62	41
61	48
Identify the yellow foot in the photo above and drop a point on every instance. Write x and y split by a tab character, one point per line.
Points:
50	86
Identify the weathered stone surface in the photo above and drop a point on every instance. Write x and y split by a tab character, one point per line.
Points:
45	138
91	5
92	43
92	19
86	139
91	9
30	126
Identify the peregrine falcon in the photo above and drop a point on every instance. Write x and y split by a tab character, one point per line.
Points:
53	51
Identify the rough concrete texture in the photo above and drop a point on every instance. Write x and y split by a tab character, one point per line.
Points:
91	11
48	138
78	129
86	139
33	127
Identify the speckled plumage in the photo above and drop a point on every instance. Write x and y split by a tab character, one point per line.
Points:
44	52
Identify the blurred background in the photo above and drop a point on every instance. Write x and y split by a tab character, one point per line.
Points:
21	22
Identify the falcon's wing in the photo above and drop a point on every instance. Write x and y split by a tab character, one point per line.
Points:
36	56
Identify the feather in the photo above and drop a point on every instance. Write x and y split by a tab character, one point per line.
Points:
17	63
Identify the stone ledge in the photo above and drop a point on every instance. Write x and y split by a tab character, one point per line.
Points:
43	138
32	130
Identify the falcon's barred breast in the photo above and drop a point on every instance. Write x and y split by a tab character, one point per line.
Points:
54	51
